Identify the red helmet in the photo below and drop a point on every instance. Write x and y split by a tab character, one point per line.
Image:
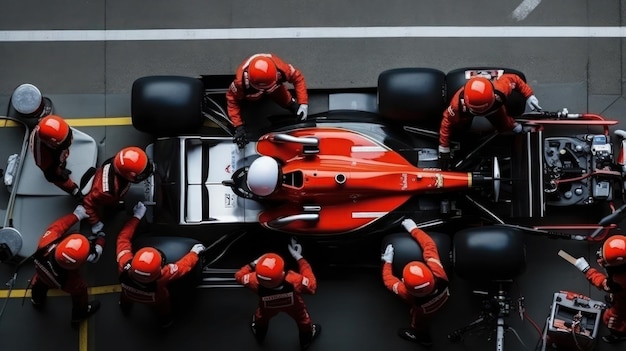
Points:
146	265
478	94
262	73
72	251
418	279
614	250
132	163
270	270
53	130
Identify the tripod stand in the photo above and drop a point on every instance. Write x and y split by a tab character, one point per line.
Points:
495	307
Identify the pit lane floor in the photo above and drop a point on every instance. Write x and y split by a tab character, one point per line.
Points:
93	79
356	311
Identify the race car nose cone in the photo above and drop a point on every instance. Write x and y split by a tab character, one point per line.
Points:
26	99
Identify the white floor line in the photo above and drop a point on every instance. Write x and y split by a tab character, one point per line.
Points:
315	33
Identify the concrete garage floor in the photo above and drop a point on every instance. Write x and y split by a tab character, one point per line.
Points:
91	77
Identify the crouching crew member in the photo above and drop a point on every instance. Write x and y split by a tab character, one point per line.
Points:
50	144
112	181
482	97
144	275
58	259
281	291
263	75
424	285
612	257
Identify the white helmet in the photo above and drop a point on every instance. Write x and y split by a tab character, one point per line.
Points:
263	176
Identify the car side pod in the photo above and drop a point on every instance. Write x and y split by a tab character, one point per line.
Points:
283	221
10	243
310	145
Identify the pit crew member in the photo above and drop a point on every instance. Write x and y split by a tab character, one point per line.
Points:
112	181
144	275
611	257
482	97
58	259
424	285
50	143
281	291
263	75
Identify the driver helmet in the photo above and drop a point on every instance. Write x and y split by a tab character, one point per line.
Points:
478	95
418	279
262	73
614	250
146	265
53	130
72	251
132	164
270	270
263	176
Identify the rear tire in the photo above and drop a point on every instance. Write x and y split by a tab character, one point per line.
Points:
412	95
490	253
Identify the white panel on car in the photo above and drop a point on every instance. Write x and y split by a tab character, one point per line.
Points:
352	101
83	154
194	163
194	204
222	160
223	206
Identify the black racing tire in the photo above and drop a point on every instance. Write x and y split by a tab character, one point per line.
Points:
456	79
406	250
412	95
489	253
174	248
167	105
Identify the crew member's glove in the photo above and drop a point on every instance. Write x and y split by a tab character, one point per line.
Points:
80	213
409	225
139	210
519	128
582	265
387	256
533	103
97	228
240	137
303	112
444	158
295	249
95	255
253	263
197	248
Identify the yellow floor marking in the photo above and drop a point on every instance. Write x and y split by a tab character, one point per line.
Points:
84	122
99	122
82	335
94	122
83	339
95	290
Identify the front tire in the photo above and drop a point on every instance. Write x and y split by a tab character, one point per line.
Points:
167	105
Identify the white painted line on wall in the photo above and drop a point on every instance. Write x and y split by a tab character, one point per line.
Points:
314	33
524	9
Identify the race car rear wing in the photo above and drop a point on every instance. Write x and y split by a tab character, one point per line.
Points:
527	175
